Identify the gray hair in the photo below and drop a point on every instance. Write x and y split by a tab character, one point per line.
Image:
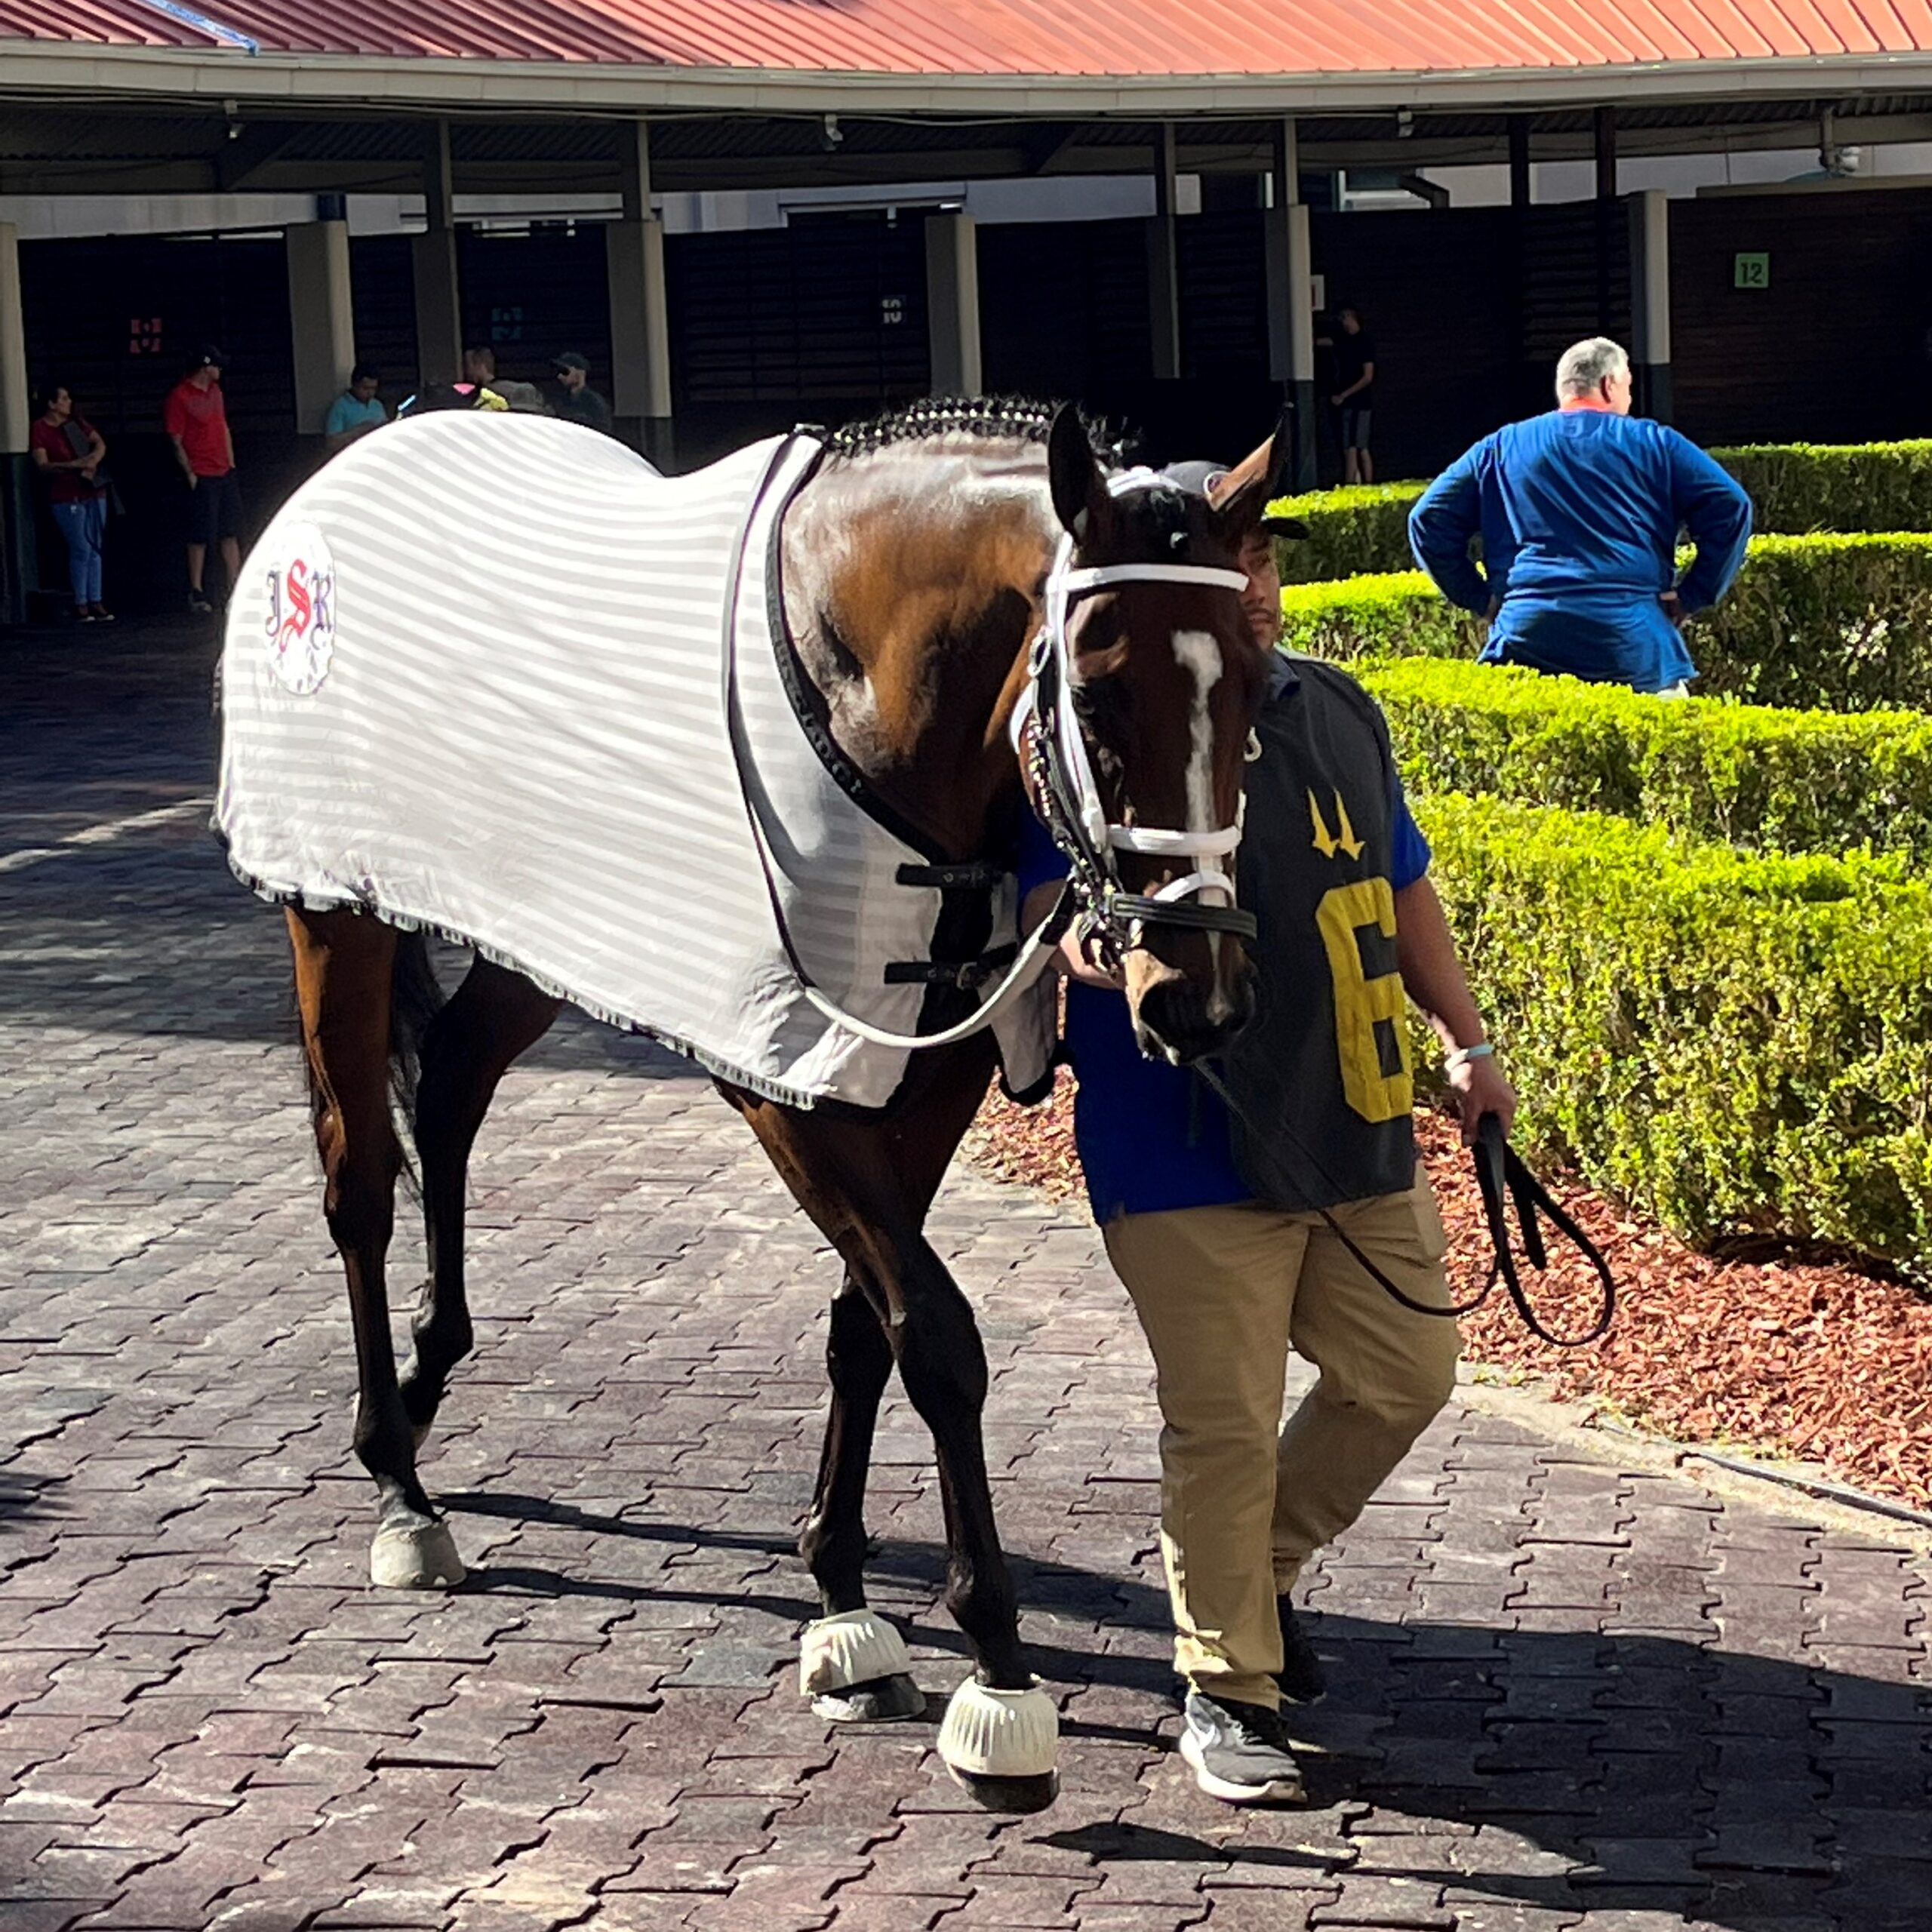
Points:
1586	366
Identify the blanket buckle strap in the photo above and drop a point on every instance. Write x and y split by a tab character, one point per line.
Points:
968	975
964	875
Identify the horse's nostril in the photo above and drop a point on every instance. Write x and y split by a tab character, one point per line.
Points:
1188	1022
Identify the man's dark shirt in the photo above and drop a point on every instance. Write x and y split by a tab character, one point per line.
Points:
1353	354
585	406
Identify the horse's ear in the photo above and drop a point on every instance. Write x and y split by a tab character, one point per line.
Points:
1078	488
1240	498
1281	457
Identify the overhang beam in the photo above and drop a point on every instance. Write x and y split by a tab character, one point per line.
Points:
96	73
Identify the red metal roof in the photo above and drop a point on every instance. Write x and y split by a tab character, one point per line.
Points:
1089	39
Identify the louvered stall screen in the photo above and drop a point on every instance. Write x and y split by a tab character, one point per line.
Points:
1438	290
1803	317
531	295
1063	309
1564	287
116	318
122	314
824	321
384	292
1223	295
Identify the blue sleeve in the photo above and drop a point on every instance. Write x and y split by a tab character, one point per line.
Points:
336	421
1041	862
1409	853
1441	526
1714	507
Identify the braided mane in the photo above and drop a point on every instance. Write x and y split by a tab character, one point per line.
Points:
1013	417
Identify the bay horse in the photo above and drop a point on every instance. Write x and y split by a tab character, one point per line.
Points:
920	559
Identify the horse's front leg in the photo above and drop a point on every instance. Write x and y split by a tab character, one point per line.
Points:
868	1185
1000	1737
495	1015
853	1665
343	970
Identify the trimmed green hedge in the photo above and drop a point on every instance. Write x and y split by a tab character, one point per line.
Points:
1361	527
1392	614
1790	781
1796	488
1837	623
1737	1044
1800	487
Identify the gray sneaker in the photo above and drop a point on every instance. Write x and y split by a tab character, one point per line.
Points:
1239	1752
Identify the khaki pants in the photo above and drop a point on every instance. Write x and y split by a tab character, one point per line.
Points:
1222	1293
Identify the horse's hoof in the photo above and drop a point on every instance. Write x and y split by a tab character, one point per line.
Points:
417	1556
1000	1745
849	1650
880	1701
1010	1795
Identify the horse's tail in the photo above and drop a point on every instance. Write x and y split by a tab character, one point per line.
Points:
415	999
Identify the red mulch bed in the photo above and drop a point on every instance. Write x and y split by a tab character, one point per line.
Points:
1810	1361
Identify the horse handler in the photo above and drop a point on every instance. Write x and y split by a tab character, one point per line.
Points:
1214	1223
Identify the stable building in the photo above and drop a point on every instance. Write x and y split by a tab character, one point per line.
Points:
1145	207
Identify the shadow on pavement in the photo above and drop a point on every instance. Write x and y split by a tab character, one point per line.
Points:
1623	1772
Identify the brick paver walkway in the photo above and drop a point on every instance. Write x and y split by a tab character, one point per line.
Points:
1566	1695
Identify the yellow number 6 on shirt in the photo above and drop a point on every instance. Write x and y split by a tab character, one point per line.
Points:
1361	1003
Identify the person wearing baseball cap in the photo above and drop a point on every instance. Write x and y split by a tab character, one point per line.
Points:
1214	1217
579	402
196	417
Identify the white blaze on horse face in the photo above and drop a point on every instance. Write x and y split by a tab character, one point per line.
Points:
1198	652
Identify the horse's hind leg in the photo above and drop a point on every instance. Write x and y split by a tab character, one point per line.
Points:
344	964
495	1015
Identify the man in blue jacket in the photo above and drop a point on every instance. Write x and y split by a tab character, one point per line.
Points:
1578	512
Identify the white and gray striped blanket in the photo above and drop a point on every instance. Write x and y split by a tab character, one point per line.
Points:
472	682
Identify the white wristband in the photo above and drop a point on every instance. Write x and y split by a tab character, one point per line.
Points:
1482	1050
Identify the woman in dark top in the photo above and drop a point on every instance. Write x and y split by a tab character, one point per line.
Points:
67	451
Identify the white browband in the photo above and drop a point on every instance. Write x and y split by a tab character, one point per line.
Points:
1099	575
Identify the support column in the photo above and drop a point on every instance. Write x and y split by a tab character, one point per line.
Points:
19	561
1605	152
640	309
1650	302
1164	261
952	303
1291	280
433	265
321	317
1528	385
1522	190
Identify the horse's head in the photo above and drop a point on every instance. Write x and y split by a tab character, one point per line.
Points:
1151	684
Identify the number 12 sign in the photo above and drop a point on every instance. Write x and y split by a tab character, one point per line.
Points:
1750	272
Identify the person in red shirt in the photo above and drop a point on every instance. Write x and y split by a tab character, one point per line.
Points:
196	420
67	451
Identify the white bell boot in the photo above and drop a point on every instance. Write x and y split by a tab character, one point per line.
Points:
1002	1746
852	1648
855	1667
417	1556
